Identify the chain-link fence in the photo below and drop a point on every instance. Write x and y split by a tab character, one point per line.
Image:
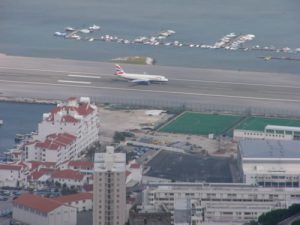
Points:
179	106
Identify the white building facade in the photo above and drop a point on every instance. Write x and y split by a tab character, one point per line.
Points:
78	118
220	202
69	177
271	132
109	193
270	163
55	148
81	201
35	210
12	175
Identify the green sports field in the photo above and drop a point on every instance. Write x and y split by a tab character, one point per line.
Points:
259	123
202	124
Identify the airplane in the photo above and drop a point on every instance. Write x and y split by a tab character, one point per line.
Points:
139	78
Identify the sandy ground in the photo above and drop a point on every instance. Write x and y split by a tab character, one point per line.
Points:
134	120
126	120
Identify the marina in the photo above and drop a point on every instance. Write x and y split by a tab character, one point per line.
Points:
204	24
230	41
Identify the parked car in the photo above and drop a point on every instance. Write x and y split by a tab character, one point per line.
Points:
3	199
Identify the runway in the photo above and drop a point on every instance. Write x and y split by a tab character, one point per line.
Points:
59	79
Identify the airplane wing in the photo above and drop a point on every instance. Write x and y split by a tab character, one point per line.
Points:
141	81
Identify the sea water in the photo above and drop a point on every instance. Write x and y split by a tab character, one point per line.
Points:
19	118
27	28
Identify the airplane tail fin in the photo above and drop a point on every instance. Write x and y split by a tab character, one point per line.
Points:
119	70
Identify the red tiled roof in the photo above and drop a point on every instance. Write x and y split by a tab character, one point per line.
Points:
37	174
84	109
36	164
38	203
10	167
135	166
127	173
81	164
74	197
72	98
56	141
67	174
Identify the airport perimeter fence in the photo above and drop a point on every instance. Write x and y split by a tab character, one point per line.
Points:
175	106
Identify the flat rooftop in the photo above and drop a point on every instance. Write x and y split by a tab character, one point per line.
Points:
270	149
190	168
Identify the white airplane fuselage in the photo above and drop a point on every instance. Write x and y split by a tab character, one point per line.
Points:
143	77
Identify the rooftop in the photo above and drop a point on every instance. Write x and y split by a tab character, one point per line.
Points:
81	164
69	110
67	174
36	164
74	197
270	149
10	167
35	175
56	141
44	205
135	166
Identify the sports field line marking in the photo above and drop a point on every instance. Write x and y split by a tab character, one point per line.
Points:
171	120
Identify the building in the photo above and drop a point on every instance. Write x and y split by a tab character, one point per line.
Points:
36	210
155	217
134	173
188	211
82	166
271	132
270	163
64	133
68	177
55	148
218	202
109	193
81	201
13	174
38	178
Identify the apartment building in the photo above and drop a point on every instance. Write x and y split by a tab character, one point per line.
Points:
55	148
78	118
219	202
109	193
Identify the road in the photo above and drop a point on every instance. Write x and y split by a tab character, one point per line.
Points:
290	220
59	79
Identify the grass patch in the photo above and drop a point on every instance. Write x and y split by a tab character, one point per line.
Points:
259	123
142	60
201	124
